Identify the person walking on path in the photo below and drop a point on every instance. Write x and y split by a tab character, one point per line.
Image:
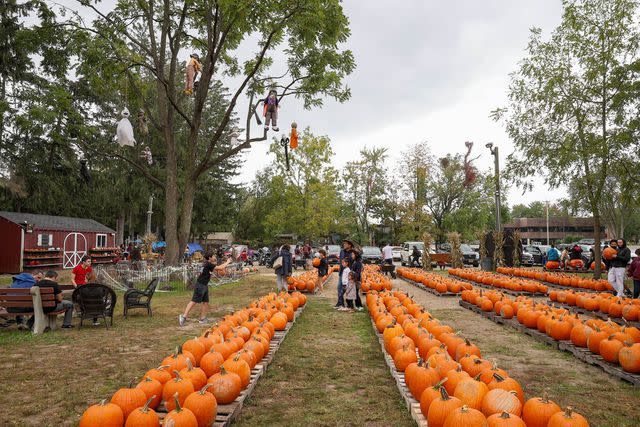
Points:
356	269
634	273
283	265
387	254
618	267
347	245
201	291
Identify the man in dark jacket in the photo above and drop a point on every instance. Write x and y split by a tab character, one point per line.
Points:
356	268
284	271
634	273
347	245
618	267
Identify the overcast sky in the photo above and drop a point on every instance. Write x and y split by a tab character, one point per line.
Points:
427	70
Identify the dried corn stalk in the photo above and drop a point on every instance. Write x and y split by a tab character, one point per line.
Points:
456	254
498	253
517	253
426	254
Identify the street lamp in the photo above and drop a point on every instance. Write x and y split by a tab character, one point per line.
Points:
494	152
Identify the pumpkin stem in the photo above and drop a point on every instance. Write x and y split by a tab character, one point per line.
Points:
439	385
444	394
161	367
505	415
178	407
222	370
498	377
203	390
178	377
103	402
132	381
189	365
568	412
145	408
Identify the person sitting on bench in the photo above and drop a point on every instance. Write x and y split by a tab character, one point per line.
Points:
24	281
51	280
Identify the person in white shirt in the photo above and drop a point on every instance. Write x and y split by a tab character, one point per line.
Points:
344	276
387	254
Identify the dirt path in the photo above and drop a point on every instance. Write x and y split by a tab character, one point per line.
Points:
604	400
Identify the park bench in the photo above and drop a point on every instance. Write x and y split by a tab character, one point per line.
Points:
33	301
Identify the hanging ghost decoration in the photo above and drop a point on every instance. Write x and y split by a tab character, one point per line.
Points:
124	132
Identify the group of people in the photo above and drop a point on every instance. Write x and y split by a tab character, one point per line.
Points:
81	275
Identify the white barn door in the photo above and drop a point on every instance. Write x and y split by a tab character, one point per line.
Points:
75	247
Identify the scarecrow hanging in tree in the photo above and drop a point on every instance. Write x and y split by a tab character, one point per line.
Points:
270	111
193	68
470	172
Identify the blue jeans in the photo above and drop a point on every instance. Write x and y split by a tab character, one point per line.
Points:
341	290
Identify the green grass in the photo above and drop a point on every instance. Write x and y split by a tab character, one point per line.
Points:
328	371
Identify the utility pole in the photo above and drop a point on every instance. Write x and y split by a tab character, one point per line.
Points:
494	152
149	213
547	223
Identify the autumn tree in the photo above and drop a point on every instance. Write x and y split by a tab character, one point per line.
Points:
238	42
572	102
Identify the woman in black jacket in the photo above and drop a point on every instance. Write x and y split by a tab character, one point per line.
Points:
356	268
284	270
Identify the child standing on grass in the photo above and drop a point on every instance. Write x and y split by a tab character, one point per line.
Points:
344	276
351	291
201	291
323	268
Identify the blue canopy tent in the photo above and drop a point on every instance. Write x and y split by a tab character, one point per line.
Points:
194	247
158	245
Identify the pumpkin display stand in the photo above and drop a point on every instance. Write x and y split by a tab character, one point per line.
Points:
582	354
426	288
227	413
412	404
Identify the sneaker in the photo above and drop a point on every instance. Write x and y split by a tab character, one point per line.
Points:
67	326
343	309
181	320
266	128
360	308
204	321
276	128
96	323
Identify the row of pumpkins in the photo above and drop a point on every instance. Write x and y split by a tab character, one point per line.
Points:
562	279
372	280
575	264
203	372
447	374
605	303
438	282
307	280
501	281
616	344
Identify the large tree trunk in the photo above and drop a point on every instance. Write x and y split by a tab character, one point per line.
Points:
120	228
596	245
187	211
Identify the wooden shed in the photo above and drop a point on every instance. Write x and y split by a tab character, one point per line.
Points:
32	241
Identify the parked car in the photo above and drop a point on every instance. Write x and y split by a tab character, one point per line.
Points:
371	255
407	250
469	256
333	254
526	259
397	250
535	251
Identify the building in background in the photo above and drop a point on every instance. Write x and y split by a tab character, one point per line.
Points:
560	228
46	242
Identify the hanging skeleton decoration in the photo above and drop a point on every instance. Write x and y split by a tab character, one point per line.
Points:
124	132
470	172
270	110
84	172
146	155
193	68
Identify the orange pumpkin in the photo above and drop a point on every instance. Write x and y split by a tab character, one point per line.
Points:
505	419
567	418
225	386
128	399
176	387
102	415
240	367
441	407
465	416
143	417
537	411
203	405
180	417
151	388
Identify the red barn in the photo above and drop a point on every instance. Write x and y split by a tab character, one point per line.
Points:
31	241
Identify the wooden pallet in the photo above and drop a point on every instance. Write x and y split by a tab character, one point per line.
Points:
598	314
579	353
413	405
504	291
428	289
227	413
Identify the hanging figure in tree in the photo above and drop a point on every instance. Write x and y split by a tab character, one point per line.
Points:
124	131
271	106
193	68
84	172
470	171
143	128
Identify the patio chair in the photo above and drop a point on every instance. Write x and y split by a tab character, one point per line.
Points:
135	298
95	300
